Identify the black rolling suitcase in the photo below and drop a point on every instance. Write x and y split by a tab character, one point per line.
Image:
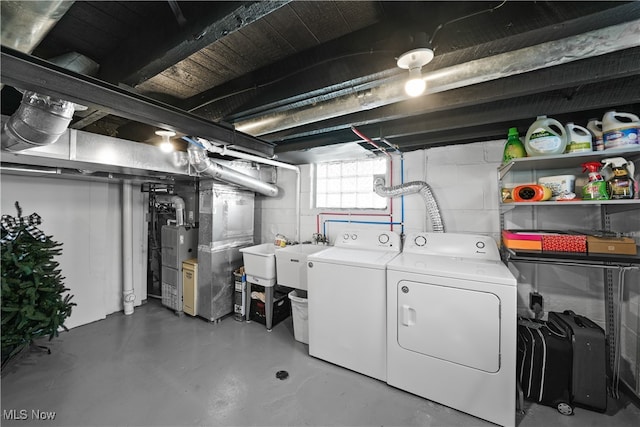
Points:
544	364
589	380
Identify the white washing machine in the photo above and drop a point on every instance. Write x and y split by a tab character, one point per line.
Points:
452	324
347	301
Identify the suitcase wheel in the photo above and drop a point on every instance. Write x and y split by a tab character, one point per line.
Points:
564	408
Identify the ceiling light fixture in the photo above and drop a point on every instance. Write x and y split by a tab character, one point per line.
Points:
413	61
166	144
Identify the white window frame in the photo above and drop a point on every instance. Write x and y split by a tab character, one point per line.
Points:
348	184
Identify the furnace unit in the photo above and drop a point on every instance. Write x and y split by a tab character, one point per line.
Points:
179	243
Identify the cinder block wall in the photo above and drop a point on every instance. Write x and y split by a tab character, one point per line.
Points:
464	181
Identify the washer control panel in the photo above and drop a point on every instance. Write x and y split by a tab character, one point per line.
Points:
369	239
452	244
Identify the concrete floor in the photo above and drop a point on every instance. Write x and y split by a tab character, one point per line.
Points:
154	368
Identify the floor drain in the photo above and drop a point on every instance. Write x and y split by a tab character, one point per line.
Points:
282	375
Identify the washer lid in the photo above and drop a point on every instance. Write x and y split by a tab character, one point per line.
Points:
356	257
462	268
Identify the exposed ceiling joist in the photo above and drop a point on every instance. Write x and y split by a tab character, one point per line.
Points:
459	125
593	70
144	57
549	54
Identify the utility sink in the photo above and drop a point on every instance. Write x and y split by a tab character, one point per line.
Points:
291	264
260	261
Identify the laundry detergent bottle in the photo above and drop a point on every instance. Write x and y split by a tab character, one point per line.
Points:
546	136
620	130
579	139
595	127
596	188
513	149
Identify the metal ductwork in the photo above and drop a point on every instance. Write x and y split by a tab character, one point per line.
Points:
40	119
433	211
202	164
391	90
25	23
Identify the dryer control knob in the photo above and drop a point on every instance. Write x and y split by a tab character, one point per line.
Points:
420	241
346	236
354	236
480	244
310	264
383	238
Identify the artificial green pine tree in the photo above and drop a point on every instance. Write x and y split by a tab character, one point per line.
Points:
33	304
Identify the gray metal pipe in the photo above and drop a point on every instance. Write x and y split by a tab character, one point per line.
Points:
202	164
39	120
25	23
433	211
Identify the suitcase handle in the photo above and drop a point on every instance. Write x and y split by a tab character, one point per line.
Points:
559	331
578	321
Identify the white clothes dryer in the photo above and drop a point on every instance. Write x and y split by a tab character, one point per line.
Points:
347	300
452	324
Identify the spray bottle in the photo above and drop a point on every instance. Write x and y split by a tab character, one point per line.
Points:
621	185
596	188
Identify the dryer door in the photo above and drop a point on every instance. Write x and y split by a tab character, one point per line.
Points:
446	321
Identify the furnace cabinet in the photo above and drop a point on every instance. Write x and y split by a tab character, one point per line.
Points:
225	227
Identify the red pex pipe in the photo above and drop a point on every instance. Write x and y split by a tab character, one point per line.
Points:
370	141
390	214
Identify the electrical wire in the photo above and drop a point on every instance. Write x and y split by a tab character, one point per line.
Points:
441	26
336	58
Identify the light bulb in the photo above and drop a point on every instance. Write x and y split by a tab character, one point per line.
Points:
166	145
416	85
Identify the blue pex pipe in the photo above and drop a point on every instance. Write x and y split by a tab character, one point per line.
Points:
324	223
194	142
401	197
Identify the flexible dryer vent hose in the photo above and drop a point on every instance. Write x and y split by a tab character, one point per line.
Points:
433	211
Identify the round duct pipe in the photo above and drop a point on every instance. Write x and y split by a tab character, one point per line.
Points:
40	120
202	164
25	23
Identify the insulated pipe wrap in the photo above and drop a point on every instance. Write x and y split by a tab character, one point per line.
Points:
202	164
433	211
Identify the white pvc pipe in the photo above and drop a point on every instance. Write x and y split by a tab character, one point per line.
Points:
128	296
178	204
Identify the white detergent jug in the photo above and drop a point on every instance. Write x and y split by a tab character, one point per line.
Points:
595	126
545	136
620	130
579	139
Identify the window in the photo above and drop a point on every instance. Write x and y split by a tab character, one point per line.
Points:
349	184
